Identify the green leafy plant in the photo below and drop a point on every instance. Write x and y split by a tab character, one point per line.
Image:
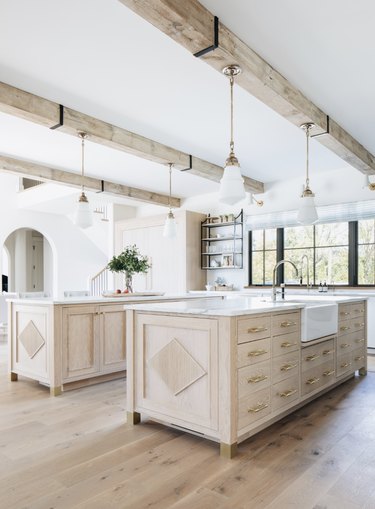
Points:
130	261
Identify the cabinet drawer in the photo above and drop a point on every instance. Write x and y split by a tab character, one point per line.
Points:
345	312
344	364
254	407
285	366
285	343
253	352
257	327
253	378
352	325
285	323
350	342
285	392
317	377
357	310
358	358
317	354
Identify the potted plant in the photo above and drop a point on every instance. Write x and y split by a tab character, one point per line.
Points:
129	262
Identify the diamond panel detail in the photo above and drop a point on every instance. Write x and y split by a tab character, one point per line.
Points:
176	367
31	339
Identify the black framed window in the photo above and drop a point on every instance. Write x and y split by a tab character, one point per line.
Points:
263	246
366	252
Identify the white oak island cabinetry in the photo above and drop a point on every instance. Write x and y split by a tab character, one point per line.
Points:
227	370
70	342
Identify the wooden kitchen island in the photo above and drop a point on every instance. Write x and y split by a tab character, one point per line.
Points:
226	370
71	342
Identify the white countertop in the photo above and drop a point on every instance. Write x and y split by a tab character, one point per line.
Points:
235	305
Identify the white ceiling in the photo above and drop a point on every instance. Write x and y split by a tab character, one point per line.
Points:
100	58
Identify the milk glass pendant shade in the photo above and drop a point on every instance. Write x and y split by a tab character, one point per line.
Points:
170	226
307	213
232	188
83	217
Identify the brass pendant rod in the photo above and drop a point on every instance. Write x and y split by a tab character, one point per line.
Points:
231	80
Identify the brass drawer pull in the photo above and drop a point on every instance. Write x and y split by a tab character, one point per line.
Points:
362	340
256	353
327	352
312	357
286	344
344	328
312	381
258	408
329	373
253	330
359	311
345	313
359	324
256	379
359	358
286	394
345	345
287	324
345	364
288	367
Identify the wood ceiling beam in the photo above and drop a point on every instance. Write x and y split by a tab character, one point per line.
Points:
48	174
47	113
190	24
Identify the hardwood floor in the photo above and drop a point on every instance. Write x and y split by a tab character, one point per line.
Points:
76	451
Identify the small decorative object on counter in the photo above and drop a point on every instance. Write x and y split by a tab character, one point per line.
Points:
325	287
222	286
320	287
129	262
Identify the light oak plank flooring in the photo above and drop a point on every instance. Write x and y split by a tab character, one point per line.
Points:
76	451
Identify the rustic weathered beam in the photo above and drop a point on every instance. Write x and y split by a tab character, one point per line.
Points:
190	24
42	111
45	173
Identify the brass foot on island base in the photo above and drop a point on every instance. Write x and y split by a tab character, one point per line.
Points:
55	391
133	417
362	371
228	451
13	377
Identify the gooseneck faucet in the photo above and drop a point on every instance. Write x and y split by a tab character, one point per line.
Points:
274	292
305	257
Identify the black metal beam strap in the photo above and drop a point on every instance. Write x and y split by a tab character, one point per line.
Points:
322	134
216	40
61	118
190	164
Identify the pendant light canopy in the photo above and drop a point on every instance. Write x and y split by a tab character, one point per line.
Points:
307	213
232	188
170	226
83	217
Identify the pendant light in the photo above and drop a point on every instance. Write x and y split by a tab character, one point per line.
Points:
232	189
83	217
307	211
170	227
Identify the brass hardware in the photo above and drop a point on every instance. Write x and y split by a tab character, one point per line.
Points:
359	358
256	353
286	394
358	310
287	367
256	329
327	352
287	344
344	328
328	373
256	379
362	340
312	357
312	381
258	408
345	345
345	364
287	324
359	324
345	313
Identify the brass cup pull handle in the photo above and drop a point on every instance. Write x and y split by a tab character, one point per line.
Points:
359	358
253	330
288	367
287	324
345	313
286	394
258	408
256	353
327	352
329	373
312	357
362	340
257	379
312	381
346	327
287	344
345	345
345	364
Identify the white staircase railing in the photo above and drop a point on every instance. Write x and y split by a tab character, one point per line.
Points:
99	283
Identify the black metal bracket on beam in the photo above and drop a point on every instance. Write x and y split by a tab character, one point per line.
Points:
322	134
61	118
101	187
190	164
216	40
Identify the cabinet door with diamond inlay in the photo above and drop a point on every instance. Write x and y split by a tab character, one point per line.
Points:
176	374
